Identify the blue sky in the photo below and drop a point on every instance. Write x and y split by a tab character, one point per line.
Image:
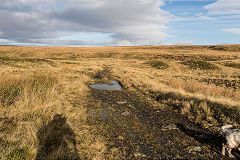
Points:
200	31
119	22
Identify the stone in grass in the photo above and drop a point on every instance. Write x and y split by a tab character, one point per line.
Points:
171	127
120	137
126	113
196	149
138	155
123	102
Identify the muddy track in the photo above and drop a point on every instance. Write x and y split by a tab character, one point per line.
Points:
143	131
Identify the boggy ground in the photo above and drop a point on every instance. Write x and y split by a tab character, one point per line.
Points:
141	131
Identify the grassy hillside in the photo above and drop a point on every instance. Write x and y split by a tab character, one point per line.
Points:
37	84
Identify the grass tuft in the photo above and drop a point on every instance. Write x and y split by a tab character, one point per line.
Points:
13	61
232	64
30	88
9	91
233	48
157	64
105	73
198	64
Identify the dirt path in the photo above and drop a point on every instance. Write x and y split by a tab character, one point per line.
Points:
143	131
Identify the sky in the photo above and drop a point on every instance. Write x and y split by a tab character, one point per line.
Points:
119	22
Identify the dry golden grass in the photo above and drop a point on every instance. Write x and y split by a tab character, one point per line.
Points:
30	99
37	83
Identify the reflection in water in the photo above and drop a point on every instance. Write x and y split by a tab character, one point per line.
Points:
115	86
57	141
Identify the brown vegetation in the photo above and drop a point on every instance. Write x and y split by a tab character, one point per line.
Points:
38	83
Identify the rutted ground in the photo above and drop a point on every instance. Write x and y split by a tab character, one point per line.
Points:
142	131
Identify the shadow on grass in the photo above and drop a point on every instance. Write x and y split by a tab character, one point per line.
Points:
218	110
212	140
57	141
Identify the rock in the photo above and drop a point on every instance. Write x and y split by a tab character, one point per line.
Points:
196	149
124	102
120	137
171	127
126	113
138	154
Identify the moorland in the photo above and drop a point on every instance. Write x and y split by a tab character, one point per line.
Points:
173	101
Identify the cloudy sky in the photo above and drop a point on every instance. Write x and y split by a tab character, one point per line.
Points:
119	22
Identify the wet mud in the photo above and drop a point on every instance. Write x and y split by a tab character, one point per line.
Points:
143	131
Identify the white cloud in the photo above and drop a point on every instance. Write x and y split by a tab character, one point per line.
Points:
123	43
33	21
183	43
232	30
6	42
193	18
224	7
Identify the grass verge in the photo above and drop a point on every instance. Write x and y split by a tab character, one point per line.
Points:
38	121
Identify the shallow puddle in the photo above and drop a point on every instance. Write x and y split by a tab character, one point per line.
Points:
103	113
115	86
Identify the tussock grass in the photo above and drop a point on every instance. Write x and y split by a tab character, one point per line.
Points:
9	92
13	61
202	57
22	99
205	112
105	55
30	89
198	64
193	86
157	64
27	120
200	112
228	83
233	48
103	74
232	64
